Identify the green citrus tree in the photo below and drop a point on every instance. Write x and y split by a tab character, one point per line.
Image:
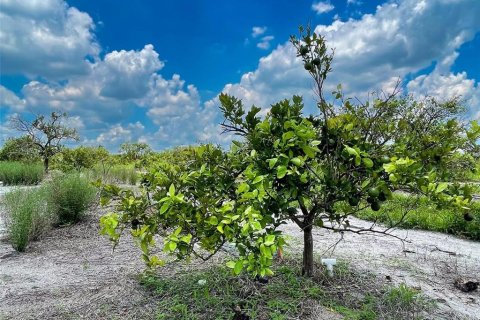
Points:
314	170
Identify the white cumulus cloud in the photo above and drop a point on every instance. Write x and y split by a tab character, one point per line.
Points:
322	7
45	38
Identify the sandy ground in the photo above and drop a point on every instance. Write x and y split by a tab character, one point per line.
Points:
429	261
73	273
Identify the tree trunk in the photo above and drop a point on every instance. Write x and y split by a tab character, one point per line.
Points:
307	252
45	164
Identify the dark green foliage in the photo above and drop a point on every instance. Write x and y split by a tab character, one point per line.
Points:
69	196
15	173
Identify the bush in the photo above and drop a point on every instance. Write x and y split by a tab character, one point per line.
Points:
69	196
426	216
79	158
14	173
27	216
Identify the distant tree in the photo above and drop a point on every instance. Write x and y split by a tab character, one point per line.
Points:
19	149
133	151
45	134
82	157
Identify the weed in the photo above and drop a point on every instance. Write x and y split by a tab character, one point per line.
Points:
69	196
287	295
27	216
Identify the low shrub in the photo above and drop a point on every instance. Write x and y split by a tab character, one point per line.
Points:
27	216
426	216
15	173
69	196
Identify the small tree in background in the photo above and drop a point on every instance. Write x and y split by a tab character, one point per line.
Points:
82	157
45	134
313	170
133	151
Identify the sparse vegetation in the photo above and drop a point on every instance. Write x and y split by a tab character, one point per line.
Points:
425	215
215	293
16	173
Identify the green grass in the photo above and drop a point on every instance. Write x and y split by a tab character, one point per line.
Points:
426	216
69	195
287	295
118	173
15	173
27	216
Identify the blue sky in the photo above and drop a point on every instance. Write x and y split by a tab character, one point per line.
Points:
150	71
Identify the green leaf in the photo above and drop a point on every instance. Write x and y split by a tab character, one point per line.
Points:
358	160
177	231
238	267
390	167
165	207
186	238
230	264
272	162
243	187
220	228
351	151
257	179
269	240
172	246
367	162
297	161
212	220
281	171
309	151
171	190
288	135
366	183
441	186
256	225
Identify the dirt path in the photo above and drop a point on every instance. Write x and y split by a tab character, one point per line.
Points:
431	262
73	274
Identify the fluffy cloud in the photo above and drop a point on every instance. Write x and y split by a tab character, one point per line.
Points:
126	74
265	43
125	83
448	86
258	31
322	7
8	99
370	53
45	38
50	41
